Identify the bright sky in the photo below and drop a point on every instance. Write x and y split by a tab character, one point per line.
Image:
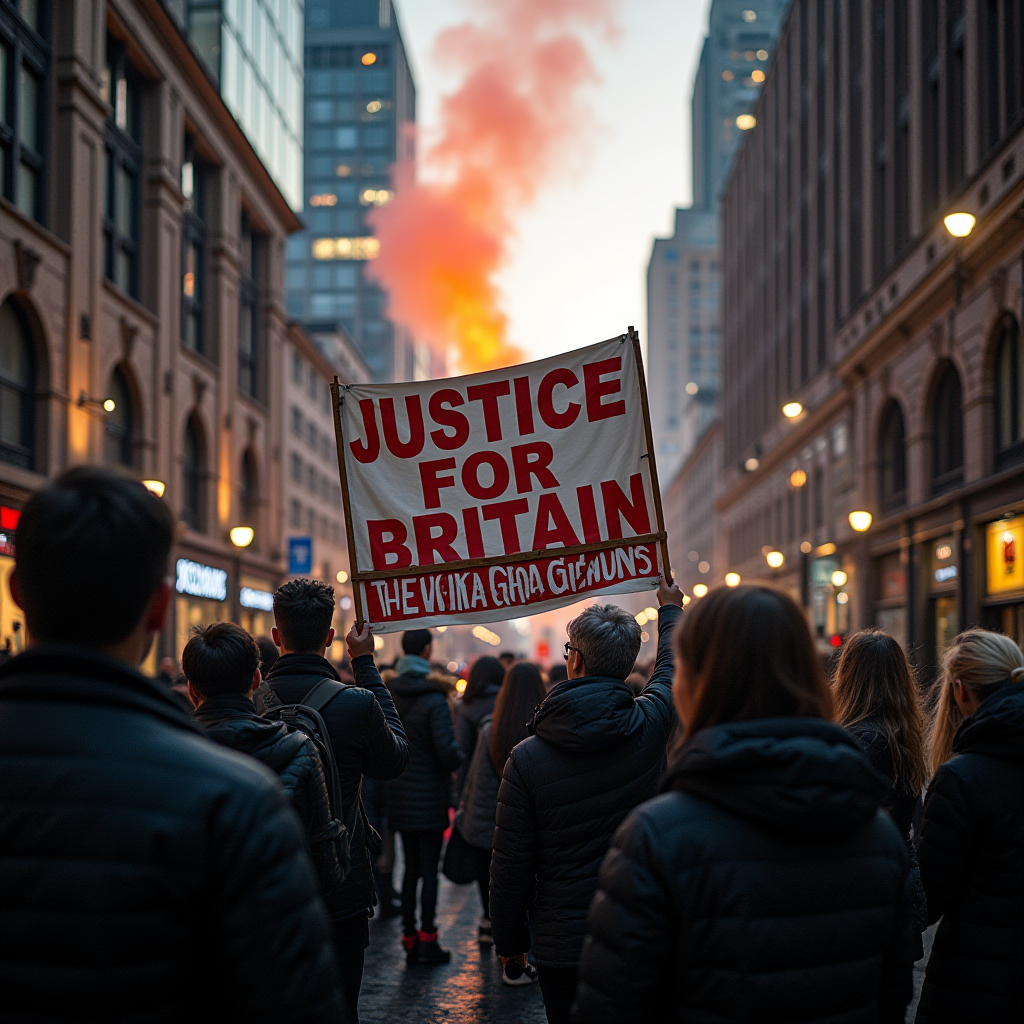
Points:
581	256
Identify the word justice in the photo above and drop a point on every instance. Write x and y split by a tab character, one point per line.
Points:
491	588
554	403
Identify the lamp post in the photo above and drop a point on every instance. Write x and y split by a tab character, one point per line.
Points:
959	225
241	538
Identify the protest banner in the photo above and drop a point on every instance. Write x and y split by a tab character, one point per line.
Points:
500	494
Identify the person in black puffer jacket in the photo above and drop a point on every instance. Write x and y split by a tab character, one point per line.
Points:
221	664
595	753
419	799
766	883
366	737
971	845
476	704
877	701
146	873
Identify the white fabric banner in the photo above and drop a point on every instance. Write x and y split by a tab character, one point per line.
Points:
500	494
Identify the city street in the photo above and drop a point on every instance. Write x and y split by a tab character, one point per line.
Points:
468	989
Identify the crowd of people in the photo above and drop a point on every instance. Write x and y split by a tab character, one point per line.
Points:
736	835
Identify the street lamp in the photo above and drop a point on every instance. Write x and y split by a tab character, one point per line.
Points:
241	537
699	589
959	225
839	578
792	409
860	521
732	579
775	559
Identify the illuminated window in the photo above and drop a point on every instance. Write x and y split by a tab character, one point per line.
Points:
345	248
323	199
373	106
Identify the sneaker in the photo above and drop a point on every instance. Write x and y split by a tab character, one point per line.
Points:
516	974
429	952
411	945
483	931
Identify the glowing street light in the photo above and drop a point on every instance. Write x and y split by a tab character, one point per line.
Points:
699	589
775	559
792	409
241	536
342	576
839	578
732	579
960	224
860	521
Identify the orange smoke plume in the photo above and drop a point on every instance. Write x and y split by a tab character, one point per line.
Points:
517	114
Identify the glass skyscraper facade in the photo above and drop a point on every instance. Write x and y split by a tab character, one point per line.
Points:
360	107
254	51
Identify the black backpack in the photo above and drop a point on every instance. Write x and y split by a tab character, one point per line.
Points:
305	716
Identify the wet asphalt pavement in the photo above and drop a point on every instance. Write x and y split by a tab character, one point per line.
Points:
466	991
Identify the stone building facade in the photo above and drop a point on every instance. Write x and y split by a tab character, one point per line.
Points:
845	293
141	269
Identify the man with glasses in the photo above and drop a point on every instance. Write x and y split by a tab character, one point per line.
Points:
595	753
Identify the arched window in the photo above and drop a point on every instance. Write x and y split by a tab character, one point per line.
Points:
119	439
1009	380
248	492
892	462
193	510
947	433
17	389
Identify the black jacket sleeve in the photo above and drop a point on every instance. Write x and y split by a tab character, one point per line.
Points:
626	958
896	985
385	745
266	920
655	700
945	846
442	736
513	863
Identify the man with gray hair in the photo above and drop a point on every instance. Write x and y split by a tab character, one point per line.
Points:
594	753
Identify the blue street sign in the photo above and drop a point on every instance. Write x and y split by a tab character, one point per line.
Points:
300	555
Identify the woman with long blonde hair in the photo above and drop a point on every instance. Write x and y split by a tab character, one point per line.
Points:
971	848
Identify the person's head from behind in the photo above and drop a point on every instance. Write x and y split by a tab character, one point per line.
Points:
507	659
873	680
521	692
92	562
303	611
485	676
745	653
169	667
604	640
418	642
220	660
977	664
268	653
556	674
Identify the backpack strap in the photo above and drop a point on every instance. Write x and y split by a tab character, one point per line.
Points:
322	693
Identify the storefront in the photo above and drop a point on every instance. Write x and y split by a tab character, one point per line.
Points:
201	596
943	593
12	621
1003	605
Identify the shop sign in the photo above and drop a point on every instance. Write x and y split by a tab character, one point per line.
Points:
261	600
201	580
1005	544
944	567
300	555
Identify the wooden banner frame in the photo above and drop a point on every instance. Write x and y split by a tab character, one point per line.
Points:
359	576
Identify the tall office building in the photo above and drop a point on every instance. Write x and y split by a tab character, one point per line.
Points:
683	278
360	108
253	51
733	65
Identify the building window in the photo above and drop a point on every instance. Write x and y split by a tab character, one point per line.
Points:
296	468
193	476
24	71
296	421
1009	381
248	313
248	498
119	436
892	464
193	251
296	367
123	171
17	389
947	433
296	514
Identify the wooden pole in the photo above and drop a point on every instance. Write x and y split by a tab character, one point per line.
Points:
353	565
652	467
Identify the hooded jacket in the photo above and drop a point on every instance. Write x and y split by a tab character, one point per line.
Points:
467	726
595	752
231	720
971	852
146	873
418	800
366	737
765	885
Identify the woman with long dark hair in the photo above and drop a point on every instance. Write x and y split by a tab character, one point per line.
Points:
476	703
520	694
765	883
971	847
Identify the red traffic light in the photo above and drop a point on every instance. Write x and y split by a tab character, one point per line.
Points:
836	640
